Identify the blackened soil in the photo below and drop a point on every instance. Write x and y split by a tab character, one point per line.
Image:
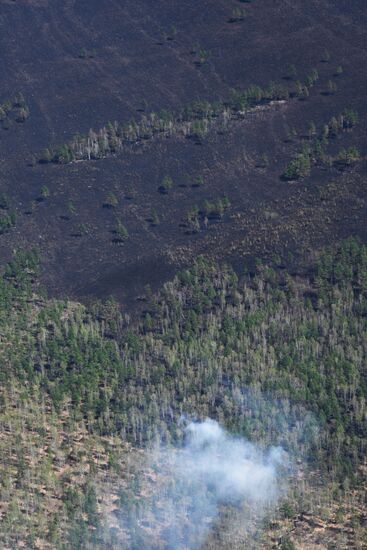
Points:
81	63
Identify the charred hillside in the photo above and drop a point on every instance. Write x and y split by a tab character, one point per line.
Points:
80	65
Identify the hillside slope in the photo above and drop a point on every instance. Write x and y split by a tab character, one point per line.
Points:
81	64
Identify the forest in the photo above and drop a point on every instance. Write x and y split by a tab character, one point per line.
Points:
279	360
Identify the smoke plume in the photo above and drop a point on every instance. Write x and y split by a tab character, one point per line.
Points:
211	471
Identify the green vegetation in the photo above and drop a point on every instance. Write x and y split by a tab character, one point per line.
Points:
215	209
14	109
209	211
192	219
348	156
71	208
271	359
87	54
203	56
198	181
238	14
300	166
166	184
4	201
331	87
45	192
194	120
111	201
154	218
264	161
121	232
7	221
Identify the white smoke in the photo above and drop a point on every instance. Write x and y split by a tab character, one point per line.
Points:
213	469
233	467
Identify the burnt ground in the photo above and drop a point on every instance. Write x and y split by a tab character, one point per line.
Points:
144	56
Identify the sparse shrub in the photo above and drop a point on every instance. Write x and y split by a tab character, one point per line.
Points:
86	54
166	184
311	130
18	107
71	208
32	161
254	93
350	118
154	218
195	48
45	192
111	201
4	201
23	114
348	156
264	161
204	56
318	149
301	90
199	129
331	87
312	78
82	229
276	91
7	221
287	544
292	134
212	210
46	156
122	233
19	101
192	213
192	219
314	75
328	161
298	168
63	155
171	35
198	181
238	15
291	72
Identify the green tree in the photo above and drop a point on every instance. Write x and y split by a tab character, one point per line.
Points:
121	232
291	72
71	208
111	201
46	156
311	130
238	14
287	544
331	87
298	168
166	184
45	192
154	218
